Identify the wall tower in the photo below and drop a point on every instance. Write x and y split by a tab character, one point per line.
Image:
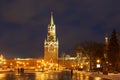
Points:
106	47
51	43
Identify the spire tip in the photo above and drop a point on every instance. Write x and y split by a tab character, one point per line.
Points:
51	12
52	21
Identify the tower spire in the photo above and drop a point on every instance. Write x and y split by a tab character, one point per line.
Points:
51	20
51	44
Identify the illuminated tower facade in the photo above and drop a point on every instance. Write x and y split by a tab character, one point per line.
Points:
51	43
106	47
105	60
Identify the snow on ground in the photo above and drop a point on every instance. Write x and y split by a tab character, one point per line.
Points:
111	76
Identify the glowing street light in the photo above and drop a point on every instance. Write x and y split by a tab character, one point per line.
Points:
98	60
98	64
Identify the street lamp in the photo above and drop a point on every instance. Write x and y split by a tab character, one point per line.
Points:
98	64
98	61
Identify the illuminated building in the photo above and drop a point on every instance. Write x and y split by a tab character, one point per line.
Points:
50	54
51	43
2	60
80	62
51	60
106	47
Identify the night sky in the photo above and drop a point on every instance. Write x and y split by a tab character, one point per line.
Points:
23	24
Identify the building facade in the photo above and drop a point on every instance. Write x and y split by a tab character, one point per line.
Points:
51	60
51	43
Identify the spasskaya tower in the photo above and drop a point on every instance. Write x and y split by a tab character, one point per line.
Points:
51	43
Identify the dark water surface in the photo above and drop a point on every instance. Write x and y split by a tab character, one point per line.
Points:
45	76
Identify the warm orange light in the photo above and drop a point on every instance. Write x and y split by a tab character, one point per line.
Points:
11	64
38	61
81	66
86	62
98	61
27	63
72	65
2	76
107	62
4	63
56	65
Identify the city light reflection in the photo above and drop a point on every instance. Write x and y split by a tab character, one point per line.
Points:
97	78
2	76
87	78
39	75
46	76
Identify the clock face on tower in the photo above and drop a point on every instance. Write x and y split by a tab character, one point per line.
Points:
51	37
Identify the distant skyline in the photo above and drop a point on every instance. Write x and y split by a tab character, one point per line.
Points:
24	23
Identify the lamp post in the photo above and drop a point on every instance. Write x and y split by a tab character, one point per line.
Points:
98	65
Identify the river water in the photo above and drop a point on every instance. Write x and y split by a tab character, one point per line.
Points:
45	76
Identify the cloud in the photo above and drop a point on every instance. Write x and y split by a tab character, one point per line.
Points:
22	11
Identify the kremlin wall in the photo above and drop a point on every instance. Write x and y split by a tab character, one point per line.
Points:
50	60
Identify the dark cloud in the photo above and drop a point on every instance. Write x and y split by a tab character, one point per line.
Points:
23	23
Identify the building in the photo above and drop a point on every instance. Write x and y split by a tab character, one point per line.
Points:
51	43
51	60
80	61
50	54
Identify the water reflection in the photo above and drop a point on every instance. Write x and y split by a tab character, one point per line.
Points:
97	78
2	76
45	76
